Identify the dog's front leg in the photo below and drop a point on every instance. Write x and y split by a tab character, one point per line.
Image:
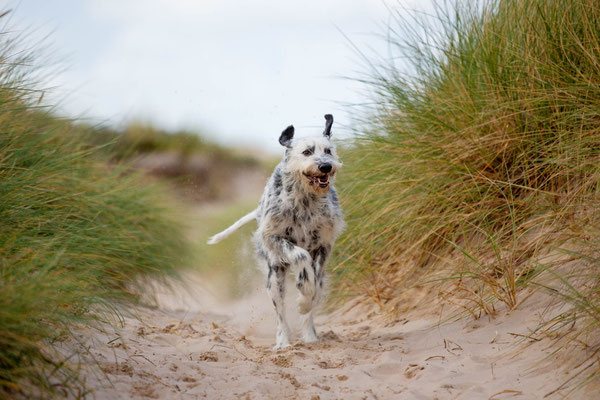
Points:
276	289
301	263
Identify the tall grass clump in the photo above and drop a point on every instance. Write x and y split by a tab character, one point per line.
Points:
75	235
480	157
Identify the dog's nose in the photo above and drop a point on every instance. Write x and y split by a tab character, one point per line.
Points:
325	168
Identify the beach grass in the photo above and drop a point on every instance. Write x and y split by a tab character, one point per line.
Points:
76	233
476	163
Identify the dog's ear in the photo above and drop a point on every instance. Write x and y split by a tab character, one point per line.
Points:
286	136
328	123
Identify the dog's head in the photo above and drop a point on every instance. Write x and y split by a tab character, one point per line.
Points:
313	160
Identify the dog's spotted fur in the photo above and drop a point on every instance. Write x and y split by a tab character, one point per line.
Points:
299	219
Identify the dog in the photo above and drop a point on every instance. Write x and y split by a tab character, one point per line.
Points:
299	218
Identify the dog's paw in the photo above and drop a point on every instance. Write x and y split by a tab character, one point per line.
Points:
299	256
306	288
310	337
280	346
305	304
305	282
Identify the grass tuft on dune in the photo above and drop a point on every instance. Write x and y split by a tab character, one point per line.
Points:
75	235
477	166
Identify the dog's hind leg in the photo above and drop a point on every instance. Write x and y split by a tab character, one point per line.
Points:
320	257
276	289
309	333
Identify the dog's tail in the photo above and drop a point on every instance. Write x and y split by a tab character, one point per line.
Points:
242	221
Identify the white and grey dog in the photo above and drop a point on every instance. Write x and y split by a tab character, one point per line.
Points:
299	219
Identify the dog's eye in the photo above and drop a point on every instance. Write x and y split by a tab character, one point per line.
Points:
307	152
327	151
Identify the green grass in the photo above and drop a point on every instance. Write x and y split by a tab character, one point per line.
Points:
75	234
479	158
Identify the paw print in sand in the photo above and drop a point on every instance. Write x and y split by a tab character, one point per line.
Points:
412	370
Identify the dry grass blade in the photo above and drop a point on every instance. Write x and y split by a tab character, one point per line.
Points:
512	393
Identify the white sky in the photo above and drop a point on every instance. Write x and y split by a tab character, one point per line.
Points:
240	71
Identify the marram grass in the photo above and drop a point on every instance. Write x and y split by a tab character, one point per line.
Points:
480	157
75	234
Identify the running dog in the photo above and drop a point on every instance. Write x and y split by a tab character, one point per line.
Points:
299	219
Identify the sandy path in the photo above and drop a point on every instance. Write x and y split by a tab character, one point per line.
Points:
196	347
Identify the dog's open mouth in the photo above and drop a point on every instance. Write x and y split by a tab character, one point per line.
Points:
321	181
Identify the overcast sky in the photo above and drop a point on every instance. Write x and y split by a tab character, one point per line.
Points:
240	71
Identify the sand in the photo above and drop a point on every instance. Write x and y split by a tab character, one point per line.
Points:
195	346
